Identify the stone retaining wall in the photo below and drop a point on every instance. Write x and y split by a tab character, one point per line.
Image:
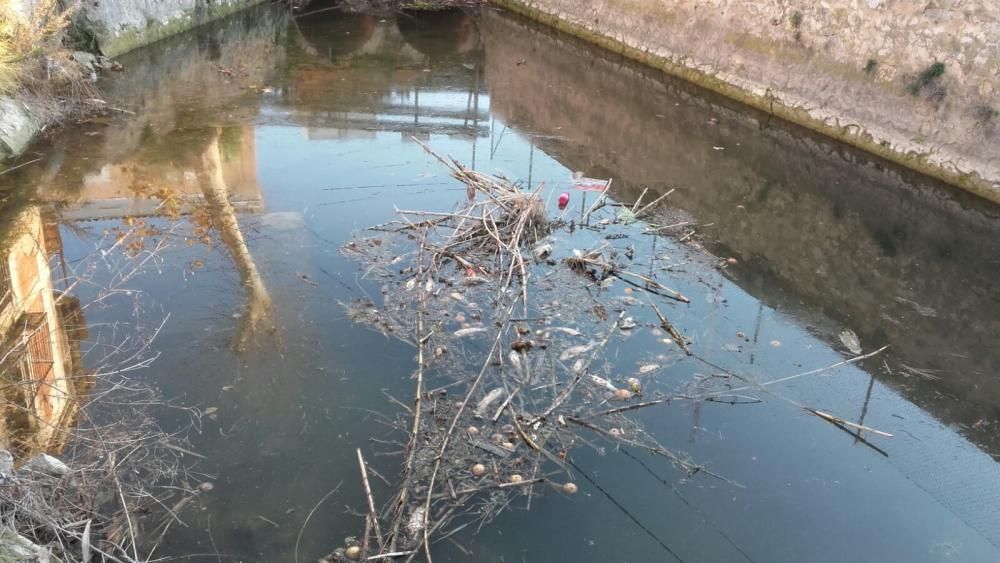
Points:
914	82
118	26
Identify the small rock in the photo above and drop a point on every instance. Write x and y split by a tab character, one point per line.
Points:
44	463
15	547
6	466
84	58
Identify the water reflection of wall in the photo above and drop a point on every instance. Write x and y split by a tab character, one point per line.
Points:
41	332
896	258
361	74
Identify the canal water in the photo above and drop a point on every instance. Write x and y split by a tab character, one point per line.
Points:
783	240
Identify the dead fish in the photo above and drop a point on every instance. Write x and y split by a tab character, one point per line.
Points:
574	351
467	331
566	330
429	286
851	341
475	280
542	251
456	296
515	359
628	323
603	382
648	368
487	400
578	366
415	524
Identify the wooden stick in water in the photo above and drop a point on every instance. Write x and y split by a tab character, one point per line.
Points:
372	514
597	202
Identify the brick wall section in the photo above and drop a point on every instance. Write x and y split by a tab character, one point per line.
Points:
848	68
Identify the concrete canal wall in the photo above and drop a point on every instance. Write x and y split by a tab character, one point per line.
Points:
118	26
915	82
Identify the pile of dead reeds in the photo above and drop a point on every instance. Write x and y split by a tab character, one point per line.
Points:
513	368
477	443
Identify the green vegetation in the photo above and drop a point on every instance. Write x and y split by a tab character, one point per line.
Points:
796	21
928	77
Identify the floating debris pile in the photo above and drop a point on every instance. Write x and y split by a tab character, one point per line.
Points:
512	326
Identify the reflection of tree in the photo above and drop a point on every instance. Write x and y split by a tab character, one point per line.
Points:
258	313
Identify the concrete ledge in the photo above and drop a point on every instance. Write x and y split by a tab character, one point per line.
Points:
119	26
17	127
954	140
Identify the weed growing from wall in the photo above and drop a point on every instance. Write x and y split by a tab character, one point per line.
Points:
796	21
929	81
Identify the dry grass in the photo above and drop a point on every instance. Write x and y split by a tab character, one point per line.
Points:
28	43
35	64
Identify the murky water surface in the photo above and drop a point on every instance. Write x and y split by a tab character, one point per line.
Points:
306	127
